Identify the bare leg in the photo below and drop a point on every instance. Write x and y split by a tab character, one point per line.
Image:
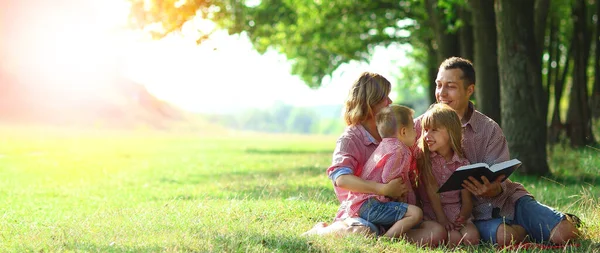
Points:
428	233
509	234
412	217
469	234
564	232
338	228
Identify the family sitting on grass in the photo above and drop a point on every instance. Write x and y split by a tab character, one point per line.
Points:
387	168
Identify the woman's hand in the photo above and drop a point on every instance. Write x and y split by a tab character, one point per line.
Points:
486	189
394	189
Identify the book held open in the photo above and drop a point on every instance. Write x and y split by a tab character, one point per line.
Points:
477	170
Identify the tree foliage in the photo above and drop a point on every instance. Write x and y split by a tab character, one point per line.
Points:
317	36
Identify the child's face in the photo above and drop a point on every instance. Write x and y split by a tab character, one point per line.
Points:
437	140
408	135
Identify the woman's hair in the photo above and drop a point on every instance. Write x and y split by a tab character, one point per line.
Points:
368	90
439	116
391	118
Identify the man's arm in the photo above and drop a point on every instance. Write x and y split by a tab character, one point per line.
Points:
496	151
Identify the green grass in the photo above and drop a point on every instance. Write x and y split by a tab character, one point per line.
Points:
86	191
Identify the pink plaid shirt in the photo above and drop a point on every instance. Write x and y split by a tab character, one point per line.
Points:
392	159
352	150
441	170
484	142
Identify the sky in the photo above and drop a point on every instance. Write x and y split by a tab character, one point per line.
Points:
86	39
225	74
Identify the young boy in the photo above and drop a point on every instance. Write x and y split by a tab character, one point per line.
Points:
392	159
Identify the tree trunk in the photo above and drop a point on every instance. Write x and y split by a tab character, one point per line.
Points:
541	14
595	99
521	88
579	125
432	69
558	79
487	87
444	43
465	34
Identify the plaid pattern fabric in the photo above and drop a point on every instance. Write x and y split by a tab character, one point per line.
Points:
390	160
451	201
352	150
484	141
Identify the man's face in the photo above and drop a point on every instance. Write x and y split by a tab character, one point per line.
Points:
450	90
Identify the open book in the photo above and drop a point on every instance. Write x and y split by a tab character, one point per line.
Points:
477	170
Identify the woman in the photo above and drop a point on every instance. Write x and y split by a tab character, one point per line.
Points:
367	96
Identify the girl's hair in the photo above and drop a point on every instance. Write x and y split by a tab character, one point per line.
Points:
391	118
367	91
439	116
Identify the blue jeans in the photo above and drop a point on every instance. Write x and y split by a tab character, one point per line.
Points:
382	214
537	219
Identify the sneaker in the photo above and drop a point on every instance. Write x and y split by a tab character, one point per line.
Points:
573	219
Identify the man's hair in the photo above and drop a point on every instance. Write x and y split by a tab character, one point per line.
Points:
463	64
367	91
392	118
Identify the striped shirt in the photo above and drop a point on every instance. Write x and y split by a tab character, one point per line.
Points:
441	170
392	159
484	142
352	150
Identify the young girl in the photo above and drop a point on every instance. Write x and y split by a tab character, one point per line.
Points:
442	154
367	96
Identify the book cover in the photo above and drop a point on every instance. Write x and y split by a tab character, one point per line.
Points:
477	170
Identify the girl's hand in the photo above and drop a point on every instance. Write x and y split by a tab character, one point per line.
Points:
460	221
446	224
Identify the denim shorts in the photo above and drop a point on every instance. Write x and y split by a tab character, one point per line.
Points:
383	214
358	221
537	219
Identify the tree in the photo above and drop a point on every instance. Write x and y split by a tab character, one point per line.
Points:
487	85
579	124
595	99
523	117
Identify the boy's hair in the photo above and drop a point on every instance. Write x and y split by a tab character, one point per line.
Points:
392	118
463	64
368	90
437	116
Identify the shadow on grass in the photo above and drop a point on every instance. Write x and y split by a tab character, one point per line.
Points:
273	184
241	175
87	247
249	242
286	151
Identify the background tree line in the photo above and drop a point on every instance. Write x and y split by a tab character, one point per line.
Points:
282	118
537	61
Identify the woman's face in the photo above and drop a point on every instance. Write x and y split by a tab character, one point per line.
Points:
382	104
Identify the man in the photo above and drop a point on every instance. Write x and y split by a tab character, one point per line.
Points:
504	211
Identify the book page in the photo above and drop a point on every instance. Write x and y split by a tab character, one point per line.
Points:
503	165
471	166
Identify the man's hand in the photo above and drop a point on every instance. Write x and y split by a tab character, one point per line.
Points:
486	189
394	189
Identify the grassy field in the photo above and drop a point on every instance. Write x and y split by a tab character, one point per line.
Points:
87	191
